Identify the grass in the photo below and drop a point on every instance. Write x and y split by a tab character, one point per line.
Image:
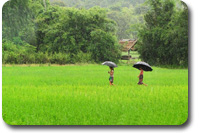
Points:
81	95
134	54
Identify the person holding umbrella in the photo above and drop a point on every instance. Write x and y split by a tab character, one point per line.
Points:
140	76
142	66
111	72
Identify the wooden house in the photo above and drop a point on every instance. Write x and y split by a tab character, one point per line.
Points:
127	46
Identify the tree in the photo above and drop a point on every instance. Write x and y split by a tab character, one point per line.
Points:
103	47
71	30
160	41
18	19
58	3
178	34
58	33
12	18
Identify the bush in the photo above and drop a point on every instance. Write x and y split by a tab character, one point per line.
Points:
42	58
22	53
12	58
103	47
84	57
60	58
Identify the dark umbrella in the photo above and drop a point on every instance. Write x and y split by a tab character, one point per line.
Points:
145	66
109	63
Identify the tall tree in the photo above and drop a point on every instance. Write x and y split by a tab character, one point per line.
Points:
71	30
15	16
157	45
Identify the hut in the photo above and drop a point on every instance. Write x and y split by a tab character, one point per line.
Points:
127	46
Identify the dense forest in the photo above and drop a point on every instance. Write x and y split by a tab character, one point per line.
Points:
124	12
91	3
66	31
163	39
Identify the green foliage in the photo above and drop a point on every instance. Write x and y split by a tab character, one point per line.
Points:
81	95
59	58
70	30
20	53
126	17
123	12
57	35
12	20
107	51
58	3
178	33
42	58
71	35
84	58
25	54
103	3
164	40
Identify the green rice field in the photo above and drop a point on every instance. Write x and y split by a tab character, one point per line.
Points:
81	95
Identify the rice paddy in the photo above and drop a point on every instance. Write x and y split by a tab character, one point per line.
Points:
81	95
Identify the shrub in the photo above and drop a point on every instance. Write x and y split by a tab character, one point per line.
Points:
60	58
42	58
103	47
84	57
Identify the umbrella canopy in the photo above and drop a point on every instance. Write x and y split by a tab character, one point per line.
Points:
145	66
109	63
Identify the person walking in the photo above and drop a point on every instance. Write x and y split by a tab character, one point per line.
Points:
111	78
140	76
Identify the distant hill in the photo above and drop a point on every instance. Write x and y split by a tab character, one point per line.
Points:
103	3
125	13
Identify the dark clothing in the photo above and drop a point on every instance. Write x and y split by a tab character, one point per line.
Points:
140	79
111	79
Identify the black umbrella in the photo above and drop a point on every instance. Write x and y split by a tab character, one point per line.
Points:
109	63
145	66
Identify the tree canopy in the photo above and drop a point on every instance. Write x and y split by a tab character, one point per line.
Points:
53	30
66	31
164	36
